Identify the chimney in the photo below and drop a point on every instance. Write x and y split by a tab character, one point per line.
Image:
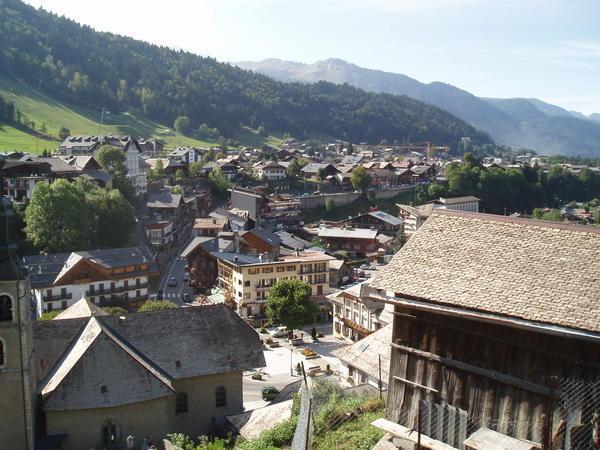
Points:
236	242
260	257
214	221
235	258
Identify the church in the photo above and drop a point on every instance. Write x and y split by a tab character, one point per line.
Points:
88	379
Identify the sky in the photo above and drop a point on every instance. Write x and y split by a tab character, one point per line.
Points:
547	49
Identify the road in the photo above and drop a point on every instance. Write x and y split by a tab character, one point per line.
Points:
280	360
176	269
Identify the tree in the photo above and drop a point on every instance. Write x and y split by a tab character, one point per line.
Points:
112	160
157	305
182	124
179	174
329	205
262	131
372	196
195	168
218	182
289	304
321	174
58	218
63	133
157	172
43	128
113	215
349	149
177	190
123	184
360	178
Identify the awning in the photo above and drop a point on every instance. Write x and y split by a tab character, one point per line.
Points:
356	327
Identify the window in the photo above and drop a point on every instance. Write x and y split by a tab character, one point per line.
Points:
2	356
220	397
63	292
110	436
247	295
267	270
5	308
247	283
291	268
63	305
253	270
280	268
181	403
49	306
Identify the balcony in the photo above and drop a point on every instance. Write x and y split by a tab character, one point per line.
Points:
116	290
57	297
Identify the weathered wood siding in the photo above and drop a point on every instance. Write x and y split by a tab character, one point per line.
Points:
507	407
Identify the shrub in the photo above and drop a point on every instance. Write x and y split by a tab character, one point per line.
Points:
49	315
257	376
157	305
115	310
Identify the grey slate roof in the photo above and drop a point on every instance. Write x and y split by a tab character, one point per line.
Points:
364	354
165	345
385	217
263	234
164	199
543	272
292	241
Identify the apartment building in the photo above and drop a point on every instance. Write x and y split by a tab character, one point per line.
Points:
106	277
355	315
247	279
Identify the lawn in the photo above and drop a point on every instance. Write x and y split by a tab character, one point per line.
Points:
43	109
14	139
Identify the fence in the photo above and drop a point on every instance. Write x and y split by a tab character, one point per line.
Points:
574	424
577	416
334	418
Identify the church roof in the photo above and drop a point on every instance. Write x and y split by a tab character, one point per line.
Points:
81	308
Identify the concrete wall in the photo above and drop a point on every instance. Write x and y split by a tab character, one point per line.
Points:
201	402
84	426
153	418
344	198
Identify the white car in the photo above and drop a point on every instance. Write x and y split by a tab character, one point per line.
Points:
278	332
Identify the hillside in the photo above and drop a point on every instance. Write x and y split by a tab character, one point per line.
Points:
76	65
44	110
529	123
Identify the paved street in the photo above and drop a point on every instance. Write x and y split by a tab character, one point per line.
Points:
281	360
176	269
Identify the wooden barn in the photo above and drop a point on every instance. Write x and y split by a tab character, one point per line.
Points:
496	332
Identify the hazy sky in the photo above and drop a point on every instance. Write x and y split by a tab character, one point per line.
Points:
549	49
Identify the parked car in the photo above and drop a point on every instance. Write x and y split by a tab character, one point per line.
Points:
187	298
278	332
172	282
372	267
364	267
269	393
186	277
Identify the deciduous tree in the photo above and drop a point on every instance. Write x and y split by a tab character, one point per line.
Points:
289	304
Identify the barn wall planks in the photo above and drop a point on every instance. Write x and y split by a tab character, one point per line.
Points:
522	355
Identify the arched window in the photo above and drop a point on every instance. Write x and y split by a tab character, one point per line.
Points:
110	434
181	403
220	397
5	308
2	354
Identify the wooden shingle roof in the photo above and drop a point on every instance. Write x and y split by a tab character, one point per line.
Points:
544	272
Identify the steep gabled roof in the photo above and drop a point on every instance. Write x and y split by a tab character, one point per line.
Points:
81	308
535	271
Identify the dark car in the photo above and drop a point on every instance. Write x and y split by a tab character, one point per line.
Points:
269	393
187	298
172	282
186	277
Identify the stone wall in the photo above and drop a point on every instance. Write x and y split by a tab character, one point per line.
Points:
344	198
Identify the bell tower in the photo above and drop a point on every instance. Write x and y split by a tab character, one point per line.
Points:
17	379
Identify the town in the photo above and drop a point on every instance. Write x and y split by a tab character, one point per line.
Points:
247	271
332	225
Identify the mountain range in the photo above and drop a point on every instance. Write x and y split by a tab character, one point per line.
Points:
73	63
518	122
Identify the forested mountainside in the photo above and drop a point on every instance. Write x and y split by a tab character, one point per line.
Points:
519	122
75	63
